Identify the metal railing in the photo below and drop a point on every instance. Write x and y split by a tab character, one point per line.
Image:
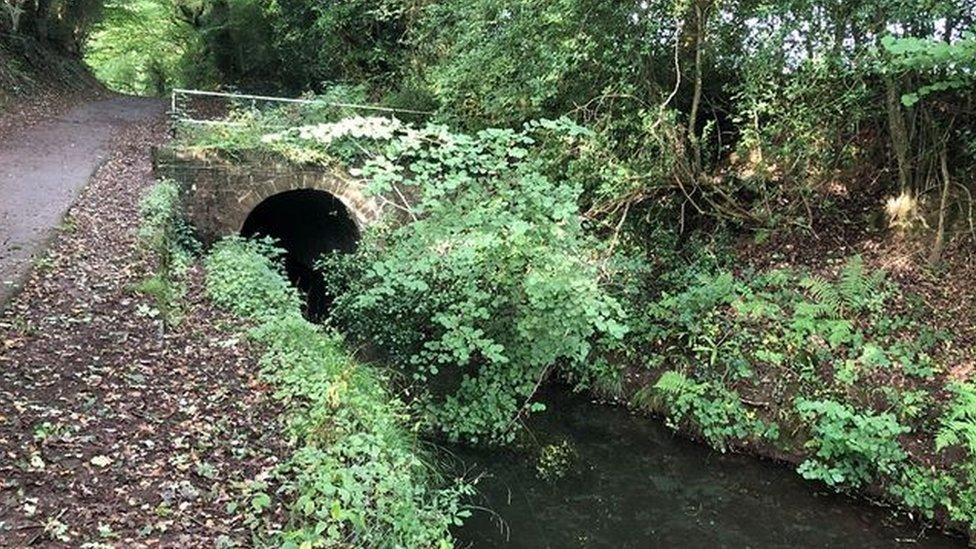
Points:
196	108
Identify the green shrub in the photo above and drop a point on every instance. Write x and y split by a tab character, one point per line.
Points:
488	288
713	409
246	278
850	447
358	476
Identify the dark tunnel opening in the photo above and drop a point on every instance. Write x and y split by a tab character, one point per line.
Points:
306	223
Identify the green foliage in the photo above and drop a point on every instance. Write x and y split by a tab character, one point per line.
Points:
908	405
849	447
165	235
151	46
163	228
854	292
488	287
957	425
948	65
923	490
355	40
790	325
357	476
141	47
713	409
790	119
496	62
962	503
786	335
246	278
793	90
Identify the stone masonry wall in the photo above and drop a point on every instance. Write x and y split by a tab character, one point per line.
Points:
220	193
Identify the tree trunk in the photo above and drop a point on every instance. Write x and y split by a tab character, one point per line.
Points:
899	133
935	255
14	10
696	97
41	15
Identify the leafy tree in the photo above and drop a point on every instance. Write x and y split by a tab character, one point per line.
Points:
340	41
141	47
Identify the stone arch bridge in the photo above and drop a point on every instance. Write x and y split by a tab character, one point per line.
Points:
220	194
309	211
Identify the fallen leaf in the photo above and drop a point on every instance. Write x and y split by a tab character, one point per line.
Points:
101	461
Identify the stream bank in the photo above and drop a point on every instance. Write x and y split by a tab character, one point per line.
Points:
635	483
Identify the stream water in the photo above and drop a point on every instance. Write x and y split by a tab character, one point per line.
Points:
636	484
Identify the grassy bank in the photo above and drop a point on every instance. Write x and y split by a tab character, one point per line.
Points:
844	373
358	474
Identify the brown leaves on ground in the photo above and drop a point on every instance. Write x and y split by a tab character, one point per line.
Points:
115	429
948	291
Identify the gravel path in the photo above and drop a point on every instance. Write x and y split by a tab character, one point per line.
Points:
116	431
42	170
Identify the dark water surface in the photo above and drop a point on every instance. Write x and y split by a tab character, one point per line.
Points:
639	485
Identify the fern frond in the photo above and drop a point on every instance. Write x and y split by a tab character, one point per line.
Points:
854	285
824	295
673	383
945	438
858	286
958	422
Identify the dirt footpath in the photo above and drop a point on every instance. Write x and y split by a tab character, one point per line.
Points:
42	170
115	430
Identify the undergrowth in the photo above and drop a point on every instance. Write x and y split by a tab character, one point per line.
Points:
358	475
717	411
485	281
834	369
488	287
165	236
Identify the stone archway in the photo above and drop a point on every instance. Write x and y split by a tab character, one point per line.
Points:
220	193
307	224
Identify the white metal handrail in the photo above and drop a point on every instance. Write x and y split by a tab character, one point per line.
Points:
244	96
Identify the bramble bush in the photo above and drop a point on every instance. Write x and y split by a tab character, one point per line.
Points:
488	287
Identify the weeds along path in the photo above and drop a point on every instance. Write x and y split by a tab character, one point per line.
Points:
112	429
42	170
